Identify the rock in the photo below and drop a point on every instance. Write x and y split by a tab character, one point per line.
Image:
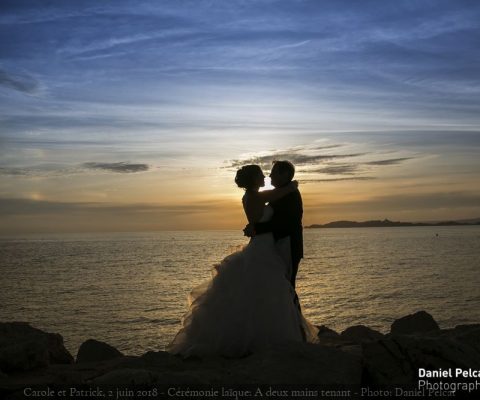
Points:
153	361
93	350
326	332
359	355
384	363
23	348
396	359
329	337
361	334
419	322
132	376
126	376
298	363
354	349
468	334
161	359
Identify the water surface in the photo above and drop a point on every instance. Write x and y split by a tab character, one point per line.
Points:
130	289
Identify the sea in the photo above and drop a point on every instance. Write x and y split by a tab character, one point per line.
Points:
130	289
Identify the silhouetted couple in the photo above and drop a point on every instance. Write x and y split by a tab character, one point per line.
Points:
251	303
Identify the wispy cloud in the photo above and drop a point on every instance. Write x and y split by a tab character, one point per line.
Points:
391	161
403	202
19	214
40	171
354	178
56	170
19	82
316	161
308	155
293	45
22	206
122	167
339	169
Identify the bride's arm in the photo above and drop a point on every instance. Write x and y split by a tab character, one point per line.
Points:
277	193
254	208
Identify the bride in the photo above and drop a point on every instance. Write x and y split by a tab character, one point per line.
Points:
249	303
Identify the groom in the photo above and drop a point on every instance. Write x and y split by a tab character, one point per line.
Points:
286	223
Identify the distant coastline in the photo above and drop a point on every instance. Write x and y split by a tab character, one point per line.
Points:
387	223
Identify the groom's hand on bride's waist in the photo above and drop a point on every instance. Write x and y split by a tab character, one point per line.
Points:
249	230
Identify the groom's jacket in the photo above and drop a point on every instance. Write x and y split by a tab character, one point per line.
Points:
286	221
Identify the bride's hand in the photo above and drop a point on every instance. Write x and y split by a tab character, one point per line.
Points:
249	230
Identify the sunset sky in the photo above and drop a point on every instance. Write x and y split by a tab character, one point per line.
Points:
135	115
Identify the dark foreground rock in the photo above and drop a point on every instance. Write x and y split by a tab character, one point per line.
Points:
361	334
419	322
359	355
286	363
397	359
93	350
24	348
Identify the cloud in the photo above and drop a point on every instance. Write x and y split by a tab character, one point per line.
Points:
326	147
122	167
20	206
404	202
29	215
19	82
391	161
42	170
293	45
13	171
16	206
340	169
430	200
53	170
309	156
355	178
353	170
299	156
10	207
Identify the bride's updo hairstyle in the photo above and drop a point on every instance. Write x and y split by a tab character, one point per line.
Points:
247	175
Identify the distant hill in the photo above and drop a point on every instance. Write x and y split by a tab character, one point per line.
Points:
388	223
474	221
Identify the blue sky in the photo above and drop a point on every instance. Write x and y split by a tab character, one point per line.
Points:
100	100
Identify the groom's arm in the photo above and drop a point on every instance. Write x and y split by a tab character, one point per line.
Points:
287	215
258	228
263	227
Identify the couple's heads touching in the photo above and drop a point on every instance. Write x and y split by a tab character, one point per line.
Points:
251	177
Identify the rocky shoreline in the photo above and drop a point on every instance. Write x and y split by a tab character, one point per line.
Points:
359	355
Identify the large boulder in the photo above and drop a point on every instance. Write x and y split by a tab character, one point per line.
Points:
93	351
329	337
468	334
361	334
419	322
396	359
325	332
298	363
24	348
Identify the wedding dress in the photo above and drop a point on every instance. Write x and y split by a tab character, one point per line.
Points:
247	306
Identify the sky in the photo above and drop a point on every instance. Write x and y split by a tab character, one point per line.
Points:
135	115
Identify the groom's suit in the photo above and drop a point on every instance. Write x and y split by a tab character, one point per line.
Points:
287	222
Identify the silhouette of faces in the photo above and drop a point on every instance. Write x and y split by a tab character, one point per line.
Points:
278	177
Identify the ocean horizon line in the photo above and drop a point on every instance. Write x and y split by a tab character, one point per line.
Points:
430	224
